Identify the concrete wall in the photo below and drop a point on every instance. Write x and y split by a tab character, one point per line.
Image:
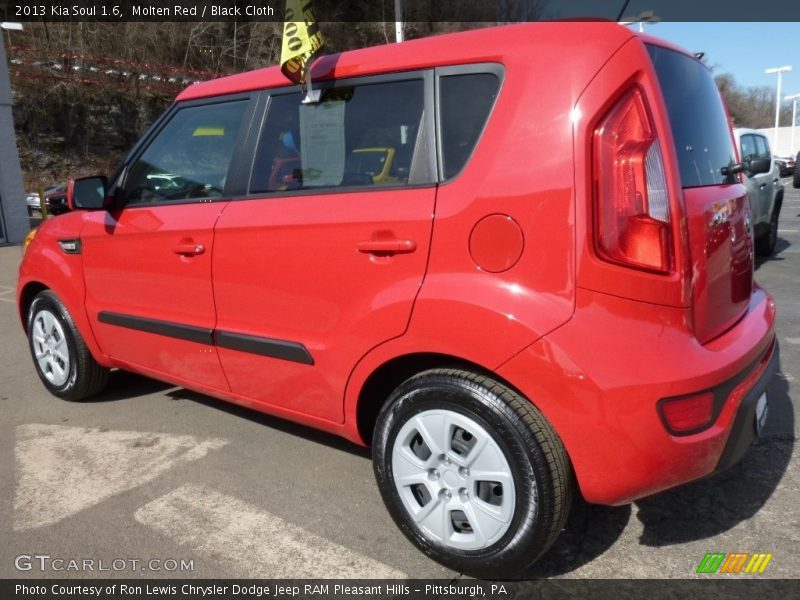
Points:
13	213
784	146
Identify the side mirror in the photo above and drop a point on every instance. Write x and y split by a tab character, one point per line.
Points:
87	193
759	165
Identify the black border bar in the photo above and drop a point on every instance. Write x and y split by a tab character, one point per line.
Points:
282	349
730	587
415	11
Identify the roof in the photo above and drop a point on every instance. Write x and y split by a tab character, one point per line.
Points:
492	44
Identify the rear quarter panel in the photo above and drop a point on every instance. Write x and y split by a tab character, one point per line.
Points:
522	167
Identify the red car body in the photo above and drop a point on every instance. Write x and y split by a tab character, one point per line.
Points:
499	270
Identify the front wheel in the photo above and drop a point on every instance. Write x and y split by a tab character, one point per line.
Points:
61	357
471	472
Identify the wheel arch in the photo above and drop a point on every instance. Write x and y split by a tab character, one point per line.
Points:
26	296
386	377
72	297
778	203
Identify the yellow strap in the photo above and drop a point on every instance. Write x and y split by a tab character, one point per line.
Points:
302	39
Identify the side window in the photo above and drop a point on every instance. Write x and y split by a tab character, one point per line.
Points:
464	105
748	148
762	146
364	135
189	158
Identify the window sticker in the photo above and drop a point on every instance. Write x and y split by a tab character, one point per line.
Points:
323	147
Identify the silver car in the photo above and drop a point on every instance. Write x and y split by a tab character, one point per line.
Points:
764	187
32	202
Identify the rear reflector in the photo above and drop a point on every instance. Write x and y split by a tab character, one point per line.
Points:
687	414
631	196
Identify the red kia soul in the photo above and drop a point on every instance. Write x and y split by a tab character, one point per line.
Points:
517	262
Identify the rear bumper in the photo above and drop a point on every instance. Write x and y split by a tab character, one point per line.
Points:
743	430
598	380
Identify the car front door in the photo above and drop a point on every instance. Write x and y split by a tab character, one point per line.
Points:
321	261
147	262
748	152
763	182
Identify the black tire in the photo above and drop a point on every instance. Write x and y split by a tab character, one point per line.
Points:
796	179
765	244
539	466
83	377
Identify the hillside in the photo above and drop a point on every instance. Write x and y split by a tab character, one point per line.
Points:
85	92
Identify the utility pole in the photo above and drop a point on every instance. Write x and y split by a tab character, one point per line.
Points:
398	21
794	99
780	71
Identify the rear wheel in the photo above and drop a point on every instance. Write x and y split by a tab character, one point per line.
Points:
61	357
796	178
471	472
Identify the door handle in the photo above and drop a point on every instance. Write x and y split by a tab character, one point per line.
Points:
189	248
762	186
386	247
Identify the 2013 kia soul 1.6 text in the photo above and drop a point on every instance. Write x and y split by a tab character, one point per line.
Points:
517	265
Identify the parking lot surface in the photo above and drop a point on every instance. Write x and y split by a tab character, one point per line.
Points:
168	482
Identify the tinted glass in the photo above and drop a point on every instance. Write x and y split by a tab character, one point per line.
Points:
363	135
190	156
762	146
748	148
465	102
697	116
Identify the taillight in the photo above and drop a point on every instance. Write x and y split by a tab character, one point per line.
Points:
631	197
687	414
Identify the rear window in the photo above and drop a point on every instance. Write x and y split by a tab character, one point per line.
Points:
464	107
699	123
762	147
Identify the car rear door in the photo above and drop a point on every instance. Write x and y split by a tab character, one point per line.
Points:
147	263
321	259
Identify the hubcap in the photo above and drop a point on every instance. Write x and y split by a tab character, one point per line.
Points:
50	347
453	479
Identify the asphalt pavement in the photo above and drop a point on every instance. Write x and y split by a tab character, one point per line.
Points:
153	480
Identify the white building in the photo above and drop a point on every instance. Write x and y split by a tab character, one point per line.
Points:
783	147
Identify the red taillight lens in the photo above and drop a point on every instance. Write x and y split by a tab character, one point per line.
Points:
688	414
631	198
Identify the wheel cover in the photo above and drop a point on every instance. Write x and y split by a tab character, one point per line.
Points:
50	347
453	480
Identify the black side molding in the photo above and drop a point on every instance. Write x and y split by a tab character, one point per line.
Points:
200	335
291	351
